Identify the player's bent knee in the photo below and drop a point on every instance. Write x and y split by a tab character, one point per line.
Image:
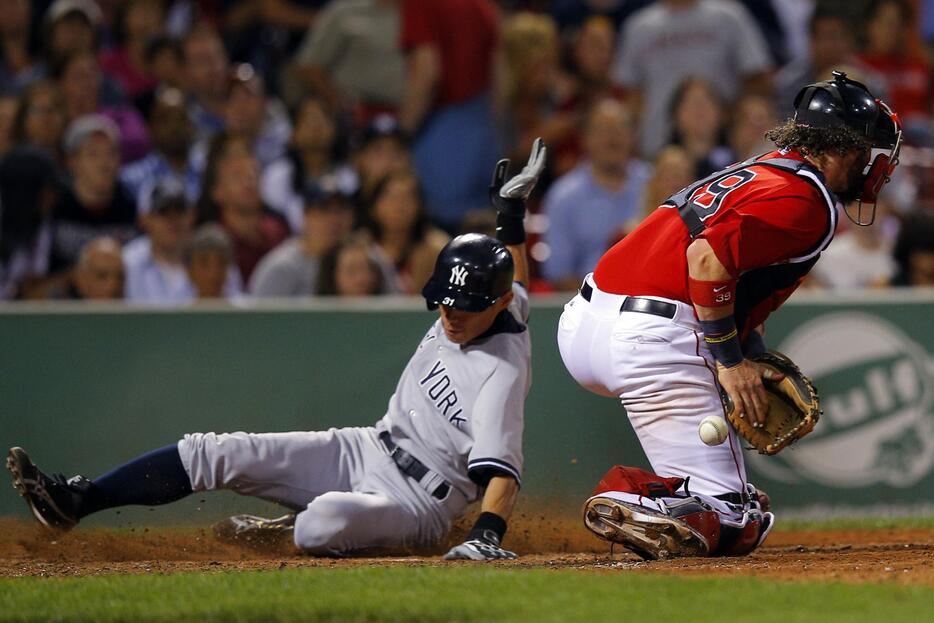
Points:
321	528
211	459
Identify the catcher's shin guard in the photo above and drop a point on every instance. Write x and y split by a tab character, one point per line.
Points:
653	534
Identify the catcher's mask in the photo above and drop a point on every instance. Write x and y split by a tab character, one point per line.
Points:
471	273
842	102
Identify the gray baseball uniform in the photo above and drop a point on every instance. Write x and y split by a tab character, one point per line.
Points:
457	409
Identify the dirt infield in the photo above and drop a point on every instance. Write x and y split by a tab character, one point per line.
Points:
904	556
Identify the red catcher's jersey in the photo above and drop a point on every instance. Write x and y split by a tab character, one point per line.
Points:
767	226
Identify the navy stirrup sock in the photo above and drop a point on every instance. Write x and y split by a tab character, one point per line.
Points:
154	478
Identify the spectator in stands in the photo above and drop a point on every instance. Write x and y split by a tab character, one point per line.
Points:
172	135
382	149
79	79
672	170
831	46
30	185
591	60
531	50
315	153
8	106
914	251
163	61
70	26
208	260
400	228
860	257
230	195
206	75
97	204
351	269
697	123
668	41
155	272
351	57
906	76
292	268
446	106
18	66
588	207
260	120
98	274
753	115
40	118
137	22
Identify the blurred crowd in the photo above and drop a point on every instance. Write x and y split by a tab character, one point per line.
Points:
166	151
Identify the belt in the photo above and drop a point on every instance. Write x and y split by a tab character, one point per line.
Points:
637	304
410	466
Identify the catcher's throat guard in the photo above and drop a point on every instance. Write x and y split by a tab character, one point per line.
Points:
794	407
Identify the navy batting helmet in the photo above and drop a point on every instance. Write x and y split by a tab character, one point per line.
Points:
471	273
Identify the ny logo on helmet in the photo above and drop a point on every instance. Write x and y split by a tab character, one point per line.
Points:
458	276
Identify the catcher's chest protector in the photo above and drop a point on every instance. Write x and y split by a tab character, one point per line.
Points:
758	285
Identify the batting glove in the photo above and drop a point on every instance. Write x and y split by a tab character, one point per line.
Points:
485	547
510	197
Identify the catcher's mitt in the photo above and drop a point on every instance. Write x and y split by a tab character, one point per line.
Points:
794	407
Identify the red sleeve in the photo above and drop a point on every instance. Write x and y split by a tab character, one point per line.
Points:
418	24
768	230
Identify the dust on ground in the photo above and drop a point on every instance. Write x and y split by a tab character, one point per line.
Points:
899	555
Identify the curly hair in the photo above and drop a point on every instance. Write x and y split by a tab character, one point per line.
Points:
816	141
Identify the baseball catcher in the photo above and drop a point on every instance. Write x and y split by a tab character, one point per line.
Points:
672	316
451	433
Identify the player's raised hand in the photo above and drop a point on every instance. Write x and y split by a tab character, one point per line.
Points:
479	549
743	384
510	197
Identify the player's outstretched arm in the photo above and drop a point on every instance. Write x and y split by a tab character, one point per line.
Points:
509	199
483	542
712	291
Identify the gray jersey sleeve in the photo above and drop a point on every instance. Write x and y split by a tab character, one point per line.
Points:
498	423
498	412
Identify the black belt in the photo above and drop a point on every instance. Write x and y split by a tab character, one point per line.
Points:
637	304
410	466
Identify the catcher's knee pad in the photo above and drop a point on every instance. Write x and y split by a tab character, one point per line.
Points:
742	539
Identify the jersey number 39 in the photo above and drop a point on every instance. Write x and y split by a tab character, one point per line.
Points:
707	200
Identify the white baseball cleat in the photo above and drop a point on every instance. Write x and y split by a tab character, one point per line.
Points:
646	532
255	531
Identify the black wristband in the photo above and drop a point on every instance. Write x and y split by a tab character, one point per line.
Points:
486	523
723	341
510	229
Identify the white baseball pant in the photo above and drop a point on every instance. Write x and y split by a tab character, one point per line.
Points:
663	373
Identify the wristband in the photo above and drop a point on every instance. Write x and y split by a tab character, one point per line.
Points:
723	340
488	522
510	229
712	293
754	344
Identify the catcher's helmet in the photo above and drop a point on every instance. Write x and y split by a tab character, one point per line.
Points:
471	273
842	102
845	103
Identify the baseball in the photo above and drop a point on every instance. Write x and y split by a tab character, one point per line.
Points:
713	430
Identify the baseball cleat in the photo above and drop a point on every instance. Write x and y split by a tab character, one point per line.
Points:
256	531
647	533
53	500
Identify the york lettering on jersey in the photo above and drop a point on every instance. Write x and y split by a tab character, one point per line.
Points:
440	390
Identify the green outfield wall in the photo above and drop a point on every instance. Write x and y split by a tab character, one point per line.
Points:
84	388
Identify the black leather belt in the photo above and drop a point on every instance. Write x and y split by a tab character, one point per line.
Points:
637	304
410	466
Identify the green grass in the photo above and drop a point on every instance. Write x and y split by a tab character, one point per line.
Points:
855	523
461	593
